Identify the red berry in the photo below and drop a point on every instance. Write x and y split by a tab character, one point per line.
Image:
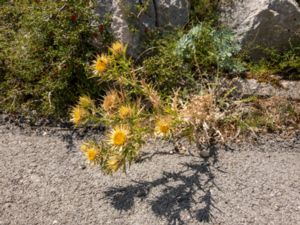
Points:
101	28
74	17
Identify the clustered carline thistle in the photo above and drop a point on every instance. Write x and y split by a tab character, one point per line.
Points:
122	111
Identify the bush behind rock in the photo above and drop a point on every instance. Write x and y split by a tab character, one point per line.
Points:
44	50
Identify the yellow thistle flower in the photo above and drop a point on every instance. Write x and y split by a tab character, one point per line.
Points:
163	127
110	101
125	112
91	154
84	147
86	102
117	48
118	136
100	64
77	115
114	163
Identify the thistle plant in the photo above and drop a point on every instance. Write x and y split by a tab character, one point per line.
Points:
132	111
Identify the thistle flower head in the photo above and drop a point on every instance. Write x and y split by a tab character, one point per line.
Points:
110	101
100	64
91	154
78	114
114	163
86	102
118	136
84	147
125	112
117	48
152	94
163	126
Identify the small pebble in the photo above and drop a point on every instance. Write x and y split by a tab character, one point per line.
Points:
204	154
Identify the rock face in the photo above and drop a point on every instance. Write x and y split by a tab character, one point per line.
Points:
287	89
129	24
132	18
265	23
172	12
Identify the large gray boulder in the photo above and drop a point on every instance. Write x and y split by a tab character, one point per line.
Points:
132	18
129	24
262	23
172	12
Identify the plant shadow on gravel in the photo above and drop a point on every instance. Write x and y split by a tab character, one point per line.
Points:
179	192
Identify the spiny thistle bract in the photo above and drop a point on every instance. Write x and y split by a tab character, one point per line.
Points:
111	100
86	102
114	163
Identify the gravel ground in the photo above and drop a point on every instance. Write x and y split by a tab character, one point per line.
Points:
44	180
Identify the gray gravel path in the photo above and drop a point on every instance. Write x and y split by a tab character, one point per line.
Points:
43	182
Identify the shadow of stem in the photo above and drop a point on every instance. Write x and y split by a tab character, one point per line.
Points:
180	192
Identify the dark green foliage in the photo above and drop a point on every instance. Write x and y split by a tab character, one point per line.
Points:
285	64
182	60
164	68
45	47
204	10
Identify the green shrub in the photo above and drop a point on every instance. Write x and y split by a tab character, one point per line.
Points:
164	68
44	49
204	10
181	60
205	47
286	64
